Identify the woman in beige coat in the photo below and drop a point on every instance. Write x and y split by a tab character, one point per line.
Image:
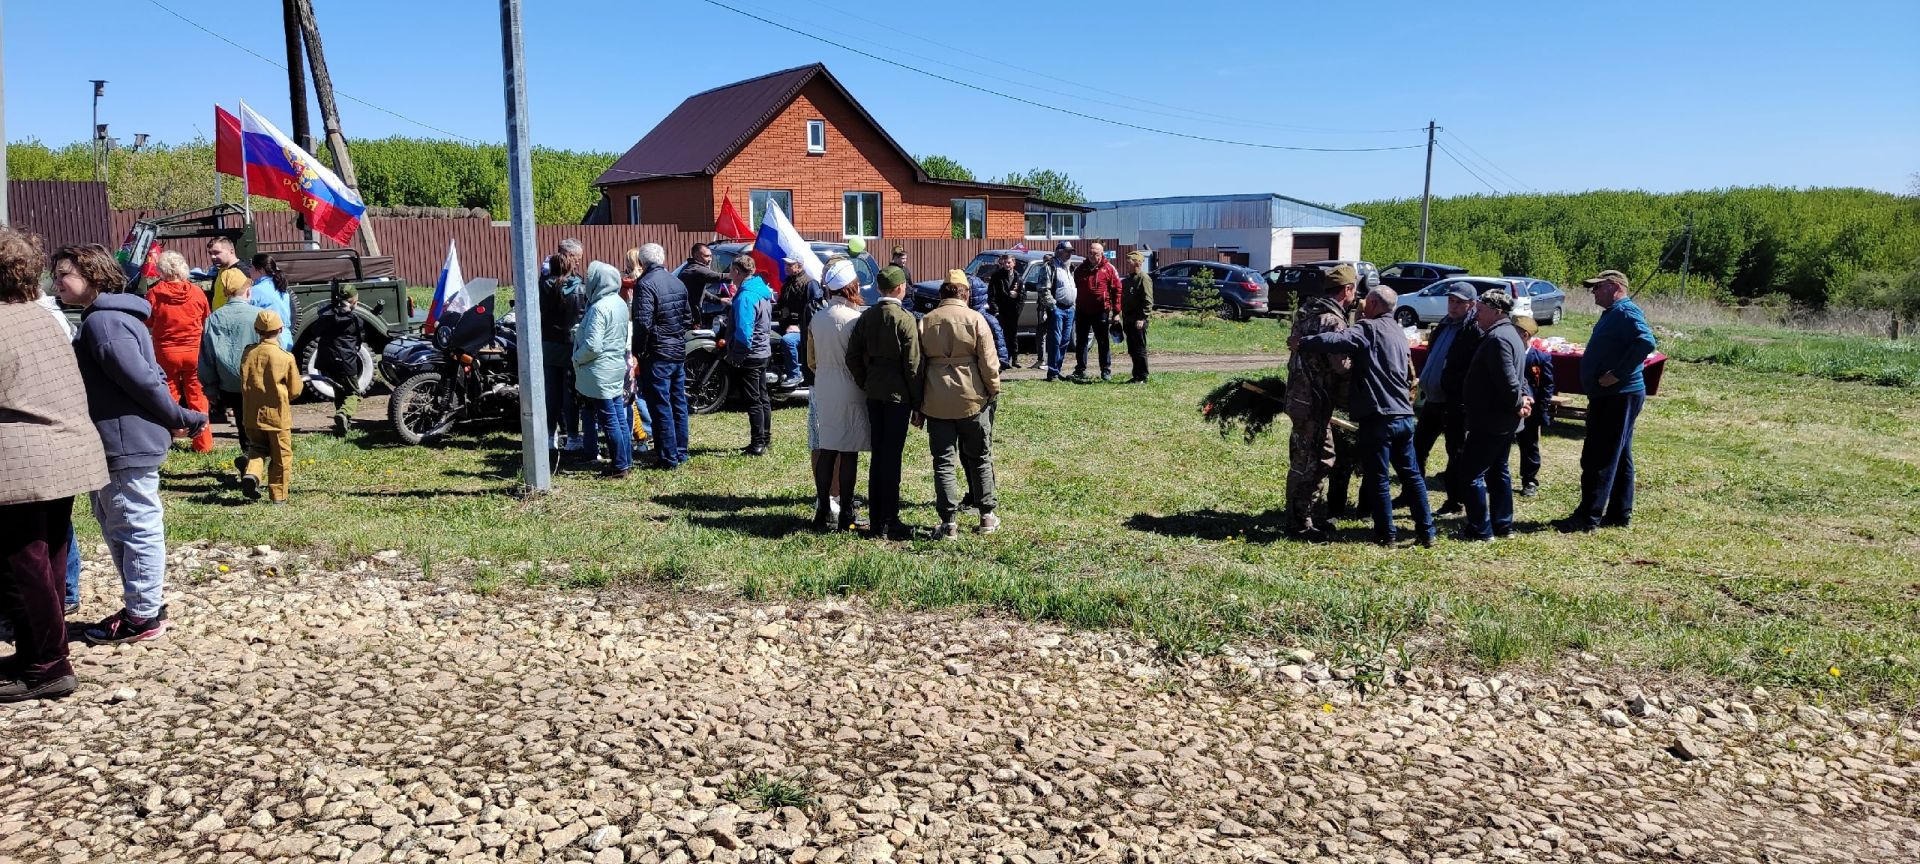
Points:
49	453
959	379
837	409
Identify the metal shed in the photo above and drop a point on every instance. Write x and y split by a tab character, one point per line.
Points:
1270	229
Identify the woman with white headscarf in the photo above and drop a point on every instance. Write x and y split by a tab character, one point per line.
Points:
837	410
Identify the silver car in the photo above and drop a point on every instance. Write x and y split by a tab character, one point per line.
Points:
1429	304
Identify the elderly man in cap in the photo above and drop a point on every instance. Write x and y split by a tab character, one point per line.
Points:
1378	399
1315	383
1495	402
1448	353
1616	391
1098	290
1058	295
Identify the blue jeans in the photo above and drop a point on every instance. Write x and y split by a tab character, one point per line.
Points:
1388	442
610	416
665	384
73	567
786	353
1606	460
1490	493
1059	333
128	508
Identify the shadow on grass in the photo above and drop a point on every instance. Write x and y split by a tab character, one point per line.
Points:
1211	524
767	516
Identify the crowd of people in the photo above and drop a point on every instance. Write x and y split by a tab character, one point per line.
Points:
95	408
1483	389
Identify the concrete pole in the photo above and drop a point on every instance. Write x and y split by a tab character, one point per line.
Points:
536	464
4	220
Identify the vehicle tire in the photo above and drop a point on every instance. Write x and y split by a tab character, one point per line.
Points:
1407	317
1233	311
310	363
1556	317
707	383
418	412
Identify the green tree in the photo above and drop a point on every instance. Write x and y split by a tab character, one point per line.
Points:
944	168
1049	184
1203	293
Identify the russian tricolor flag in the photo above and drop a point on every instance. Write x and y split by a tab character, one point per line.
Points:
450	291
776	242
277	168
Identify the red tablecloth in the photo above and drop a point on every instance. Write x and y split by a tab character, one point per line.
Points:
1566	370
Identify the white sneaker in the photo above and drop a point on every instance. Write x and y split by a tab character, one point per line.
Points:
946	531
989	523
833	507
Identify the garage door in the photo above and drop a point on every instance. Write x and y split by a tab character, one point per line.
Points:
1315	247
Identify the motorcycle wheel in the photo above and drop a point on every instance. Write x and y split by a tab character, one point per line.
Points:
707	384
418	412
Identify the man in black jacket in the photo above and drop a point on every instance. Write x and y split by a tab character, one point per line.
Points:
1005	300
661	317
341	332
800	297
698	275
1496	403
1452	380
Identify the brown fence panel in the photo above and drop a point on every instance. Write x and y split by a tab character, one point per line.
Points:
62	212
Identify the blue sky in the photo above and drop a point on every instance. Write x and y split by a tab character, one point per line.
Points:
1534	96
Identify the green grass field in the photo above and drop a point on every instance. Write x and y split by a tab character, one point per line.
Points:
1775	540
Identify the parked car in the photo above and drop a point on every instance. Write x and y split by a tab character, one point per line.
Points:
926	293
1369	274
1549	302
1243	290
1407	277
1428	305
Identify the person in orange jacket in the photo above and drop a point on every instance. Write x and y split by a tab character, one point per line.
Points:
179	317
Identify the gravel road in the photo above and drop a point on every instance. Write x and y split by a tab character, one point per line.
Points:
377	714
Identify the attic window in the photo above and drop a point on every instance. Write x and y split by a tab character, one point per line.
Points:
816	136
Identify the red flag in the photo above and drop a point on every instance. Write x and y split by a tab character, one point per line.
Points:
226	143
730	225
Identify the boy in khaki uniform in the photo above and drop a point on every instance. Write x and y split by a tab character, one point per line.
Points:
269	382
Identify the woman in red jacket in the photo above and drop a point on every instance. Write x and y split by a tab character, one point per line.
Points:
179	315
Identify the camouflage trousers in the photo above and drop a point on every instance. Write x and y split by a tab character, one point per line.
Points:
1309	461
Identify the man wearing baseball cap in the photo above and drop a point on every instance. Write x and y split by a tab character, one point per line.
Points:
1438	408
1058	294
1496	402
1616	391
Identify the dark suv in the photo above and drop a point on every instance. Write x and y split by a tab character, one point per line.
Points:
1243	290
1409	276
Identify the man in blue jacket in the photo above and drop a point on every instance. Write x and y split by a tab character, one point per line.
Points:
1495	403
750	347
1616	391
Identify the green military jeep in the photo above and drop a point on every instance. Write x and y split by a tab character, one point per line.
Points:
312	277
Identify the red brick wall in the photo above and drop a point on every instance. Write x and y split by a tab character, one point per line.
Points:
857	159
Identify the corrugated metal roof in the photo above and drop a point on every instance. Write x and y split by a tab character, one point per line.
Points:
1285	211
62	212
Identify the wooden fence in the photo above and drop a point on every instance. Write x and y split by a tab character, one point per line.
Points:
418	246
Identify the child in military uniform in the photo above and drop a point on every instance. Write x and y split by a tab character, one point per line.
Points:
269	382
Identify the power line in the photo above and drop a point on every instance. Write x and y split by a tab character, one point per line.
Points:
1132	102
1067	111
1463	166
1483	160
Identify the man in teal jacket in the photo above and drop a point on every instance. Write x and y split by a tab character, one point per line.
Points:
749	347
1616	391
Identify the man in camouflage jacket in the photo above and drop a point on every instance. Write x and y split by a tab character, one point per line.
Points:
1315	384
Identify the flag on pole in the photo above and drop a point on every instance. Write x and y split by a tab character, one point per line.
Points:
730	225
776	242
278	168
449	291
1019	247
226	143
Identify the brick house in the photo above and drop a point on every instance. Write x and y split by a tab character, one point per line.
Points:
799	138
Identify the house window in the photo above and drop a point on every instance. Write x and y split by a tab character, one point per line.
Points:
860	214
1180	241
633	209
816	136
1063	224
969	218
757	204
1036	226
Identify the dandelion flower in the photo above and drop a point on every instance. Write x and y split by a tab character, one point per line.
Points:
1327	707
1834	671
223	568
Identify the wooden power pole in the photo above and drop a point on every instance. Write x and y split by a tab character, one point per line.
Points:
297	88
330	114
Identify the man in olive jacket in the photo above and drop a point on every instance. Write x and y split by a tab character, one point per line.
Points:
1496	404
883	353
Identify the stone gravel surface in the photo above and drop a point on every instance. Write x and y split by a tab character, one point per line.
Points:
375	714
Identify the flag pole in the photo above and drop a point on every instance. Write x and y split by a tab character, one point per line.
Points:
246	183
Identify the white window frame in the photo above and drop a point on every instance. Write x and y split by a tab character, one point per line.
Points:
858	201
633	209
969	206
816	136
1027	224
754	208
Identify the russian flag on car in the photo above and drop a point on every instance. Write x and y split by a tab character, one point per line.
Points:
776	242
278	168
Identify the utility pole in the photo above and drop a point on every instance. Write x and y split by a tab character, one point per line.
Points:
99	90
1426	193
297	90
330	115
536	464
1686	257
4	221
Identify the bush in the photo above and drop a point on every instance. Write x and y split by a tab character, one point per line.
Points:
1203	293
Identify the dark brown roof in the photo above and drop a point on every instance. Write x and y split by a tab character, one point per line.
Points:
701	135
